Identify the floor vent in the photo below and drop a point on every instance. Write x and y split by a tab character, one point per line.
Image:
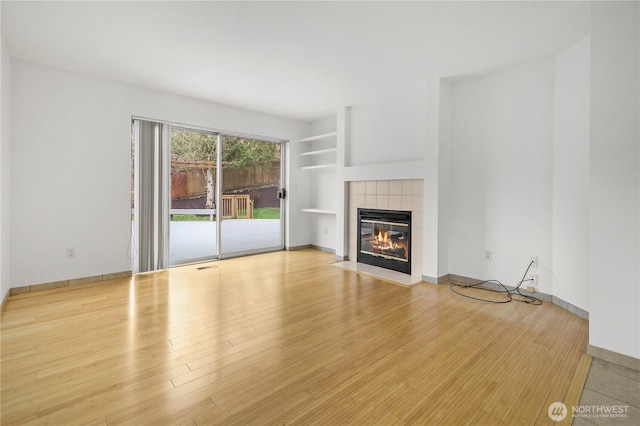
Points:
206	267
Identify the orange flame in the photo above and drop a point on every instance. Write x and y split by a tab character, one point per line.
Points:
382	237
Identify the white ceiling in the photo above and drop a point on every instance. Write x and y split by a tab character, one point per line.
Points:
295	59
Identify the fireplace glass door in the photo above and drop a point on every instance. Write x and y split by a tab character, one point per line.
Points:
385	239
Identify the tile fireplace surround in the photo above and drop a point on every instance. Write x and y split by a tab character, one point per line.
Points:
406	194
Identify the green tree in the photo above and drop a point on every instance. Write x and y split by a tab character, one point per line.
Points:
237	152
240	153
188	145
192	146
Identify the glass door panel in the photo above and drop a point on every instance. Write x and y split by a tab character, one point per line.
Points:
193	213
251	208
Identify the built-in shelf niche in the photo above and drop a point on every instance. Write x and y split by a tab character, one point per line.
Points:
319	151
319	137
318	211
316	153
318	166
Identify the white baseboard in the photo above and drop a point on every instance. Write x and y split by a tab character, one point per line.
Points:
614	357
325	249
294	248
68	283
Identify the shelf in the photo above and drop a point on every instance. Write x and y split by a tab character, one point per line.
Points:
318	137
318	166
320	151
319	211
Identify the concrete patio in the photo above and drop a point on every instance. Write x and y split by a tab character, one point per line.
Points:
193	240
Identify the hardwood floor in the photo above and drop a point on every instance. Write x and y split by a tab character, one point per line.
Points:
280	338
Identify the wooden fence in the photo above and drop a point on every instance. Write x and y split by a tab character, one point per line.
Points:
191	182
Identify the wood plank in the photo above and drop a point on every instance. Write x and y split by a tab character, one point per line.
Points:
280	338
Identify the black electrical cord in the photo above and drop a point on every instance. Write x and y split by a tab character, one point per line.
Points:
519	297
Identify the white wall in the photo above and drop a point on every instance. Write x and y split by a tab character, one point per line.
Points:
388	130
467	179
431	172
614	187
5	170
501	175
444	177
70	174
571	175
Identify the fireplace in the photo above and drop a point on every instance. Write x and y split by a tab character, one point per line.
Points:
385	239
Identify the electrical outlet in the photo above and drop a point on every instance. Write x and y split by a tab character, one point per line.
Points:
533	280
488	255
534	259
71	253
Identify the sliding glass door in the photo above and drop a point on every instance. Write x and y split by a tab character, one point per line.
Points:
200	195
251	202
193	213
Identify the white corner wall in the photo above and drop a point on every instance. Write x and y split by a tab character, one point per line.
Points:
5	170
431	171
444	178
501	173
614	187
571	175
70	174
